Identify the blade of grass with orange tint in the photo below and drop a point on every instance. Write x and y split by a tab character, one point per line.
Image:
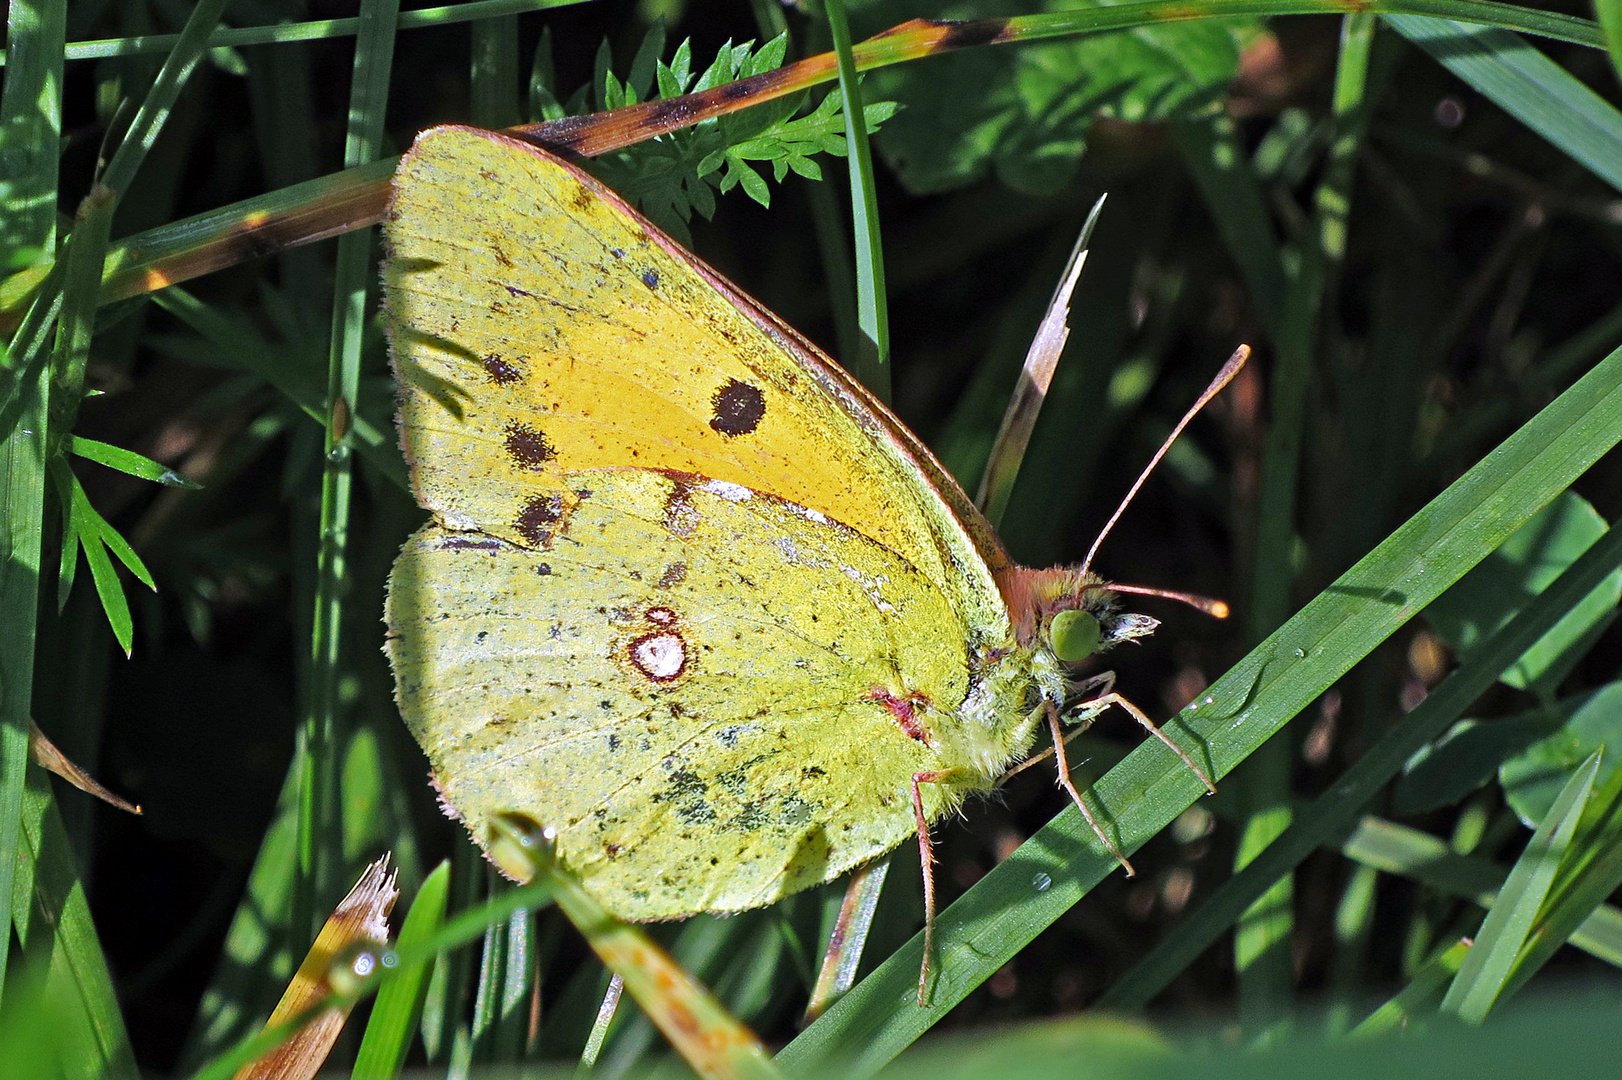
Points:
713	1042
355	198
361	918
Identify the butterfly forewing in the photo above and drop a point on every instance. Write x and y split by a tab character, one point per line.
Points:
541	327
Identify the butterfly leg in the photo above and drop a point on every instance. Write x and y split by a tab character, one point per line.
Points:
926	856
1042	755
1099	685
1148	725
1063	762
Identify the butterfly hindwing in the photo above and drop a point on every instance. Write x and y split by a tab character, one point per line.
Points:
682	682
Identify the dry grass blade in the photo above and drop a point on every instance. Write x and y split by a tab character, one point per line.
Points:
997	482
360	918
49	758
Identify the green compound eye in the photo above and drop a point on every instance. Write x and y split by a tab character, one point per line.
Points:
1075	635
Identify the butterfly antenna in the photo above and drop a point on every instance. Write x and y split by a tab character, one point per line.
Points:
1216	608
1223	378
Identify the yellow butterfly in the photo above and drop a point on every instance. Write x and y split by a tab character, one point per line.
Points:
689	594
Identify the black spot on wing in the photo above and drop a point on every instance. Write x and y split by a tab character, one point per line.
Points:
737	408
502	372
528	448
538	521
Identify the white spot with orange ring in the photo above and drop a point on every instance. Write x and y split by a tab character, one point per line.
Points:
661	657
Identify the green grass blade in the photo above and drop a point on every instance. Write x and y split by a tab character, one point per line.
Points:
1418	856
1051	871
81	525
1576	907
293	380
312	30
188	49
81	293
320	806
61	915
1487	968
1414	1000
1527	85
393	1023
494	80
1609	15
1344	801
23	479
31	126
1220	164
1262	935
31	122
128	461
871	364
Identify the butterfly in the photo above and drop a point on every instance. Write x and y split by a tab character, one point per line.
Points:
689	595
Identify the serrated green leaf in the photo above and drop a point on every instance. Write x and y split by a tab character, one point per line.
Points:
671	178
111	591
703	199
645	64
769	58
681	64
670	84
805	166
721	70
754	185
1033	107
128	461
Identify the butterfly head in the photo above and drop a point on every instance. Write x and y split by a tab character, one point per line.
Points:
1069	612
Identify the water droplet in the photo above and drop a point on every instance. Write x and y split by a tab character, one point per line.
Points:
352	966
1300	654
1041	882
1209	700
